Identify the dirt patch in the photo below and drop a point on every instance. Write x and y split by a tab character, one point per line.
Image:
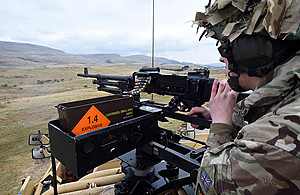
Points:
13	158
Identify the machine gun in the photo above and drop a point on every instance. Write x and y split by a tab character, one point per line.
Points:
153	159
191	90
188	91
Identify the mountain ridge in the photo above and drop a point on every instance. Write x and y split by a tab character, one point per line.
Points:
15	54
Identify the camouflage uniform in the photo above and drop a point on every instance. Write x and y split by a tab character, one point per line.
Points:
263	157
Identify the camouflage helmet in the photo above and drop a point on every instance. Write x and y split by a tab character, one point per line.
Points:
228	19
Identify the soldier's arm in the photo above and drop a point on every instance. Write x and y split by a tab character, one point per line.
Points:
250	163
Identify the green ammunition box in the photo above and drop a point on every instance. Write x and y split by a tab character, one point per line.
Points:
88	115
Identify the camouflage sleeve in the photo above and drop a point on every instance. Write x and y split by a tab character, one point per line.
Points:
215	164
238	166
220	133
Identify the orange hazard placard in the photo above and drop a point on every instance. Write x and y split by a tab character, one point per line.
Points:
92	120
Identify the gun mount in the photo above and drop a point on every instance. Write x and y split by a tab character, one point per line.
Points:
153	159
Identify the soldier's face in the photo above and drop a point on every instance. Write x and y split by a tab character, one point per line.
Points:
225	61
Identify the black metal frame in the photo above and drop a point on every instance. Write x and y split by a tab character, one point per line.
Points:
84	152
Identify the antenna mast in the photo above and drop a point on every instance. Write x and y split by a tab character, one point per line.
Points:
152	61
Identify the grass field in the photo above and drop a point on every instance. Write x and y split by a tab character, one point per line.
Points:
27	100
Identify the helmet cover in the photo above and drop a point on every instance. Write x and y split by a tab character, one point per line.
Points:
228	19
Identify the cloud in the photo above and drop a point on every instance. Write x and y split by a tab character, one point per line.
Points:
98	26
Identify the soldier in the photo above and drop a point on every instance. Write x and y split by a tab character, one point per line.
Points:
253	145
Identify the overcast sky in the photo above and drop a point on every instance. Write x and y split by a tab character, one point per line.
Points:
109	26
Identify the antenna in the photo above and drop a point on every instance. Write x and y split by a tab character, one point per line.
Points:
152	61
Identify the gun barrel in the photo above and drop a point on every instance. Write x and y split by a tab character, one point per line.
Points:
108	77
116	84
110	90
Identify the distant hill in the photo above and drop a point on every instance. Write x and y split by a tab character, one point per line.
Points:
14	54
216	65
27	48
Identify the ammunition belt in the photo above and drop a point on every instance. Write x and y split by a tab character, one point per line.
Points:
140	84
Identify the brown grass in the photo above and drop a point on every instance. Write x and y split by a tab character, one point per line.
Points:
26	107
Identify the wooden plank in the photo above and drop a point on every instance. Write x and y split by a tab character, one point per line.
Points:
39	188
27	187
